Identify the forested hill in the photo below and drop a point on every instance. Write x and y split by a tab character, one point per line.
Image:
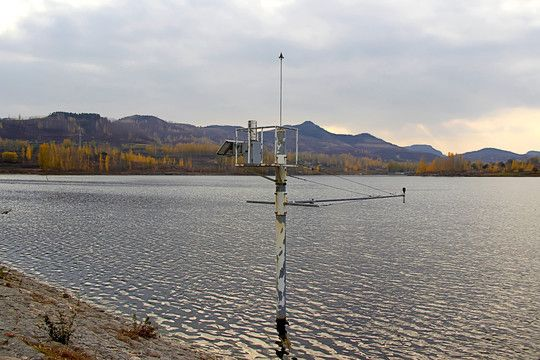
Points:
144	129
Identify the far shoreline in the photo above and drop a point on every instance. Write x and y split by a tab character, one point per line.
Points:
38	172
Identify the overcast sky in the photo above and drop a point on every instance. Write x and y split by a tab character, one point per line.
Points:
460	75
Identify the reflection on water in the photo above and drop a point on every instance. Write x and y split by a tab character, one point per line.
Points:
454	272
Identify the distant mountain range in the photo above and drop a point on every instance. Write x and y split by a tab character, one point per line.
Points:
497	155
422	148
316	139
484	155
145	129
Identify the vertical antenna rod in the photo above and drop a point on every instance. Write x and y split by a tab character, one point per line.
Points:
280	88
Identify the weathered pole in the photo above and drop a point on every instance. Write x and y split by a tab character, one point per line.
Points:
281	238
281	221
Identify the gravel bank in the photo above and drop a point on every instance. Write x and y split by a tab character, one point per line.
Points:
97	333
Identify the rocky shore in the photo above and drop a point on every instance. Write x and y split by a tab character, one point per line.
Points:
95	333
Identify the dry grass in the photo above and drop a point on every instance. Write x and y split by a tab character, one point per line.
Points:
60	330
143	329
5	276
42	299
4	273
9	278
55	351
61	352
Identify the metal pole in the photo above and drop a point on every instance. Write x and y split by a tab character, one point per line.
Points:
281	238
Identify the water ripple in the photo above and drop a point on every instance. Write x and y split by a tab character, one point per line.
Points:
455	272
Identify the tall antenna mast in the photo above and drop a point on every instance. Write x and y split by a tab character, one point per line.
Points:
280	88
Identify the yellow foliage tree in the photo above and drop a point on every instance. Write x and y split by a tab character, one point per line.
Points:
421	168
10	157
28	153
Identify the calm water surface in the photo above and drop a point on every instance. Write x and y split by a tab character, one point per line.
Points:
454	272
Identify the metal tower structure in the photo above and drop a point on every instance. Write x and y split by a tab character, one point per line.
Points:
249	153
248	150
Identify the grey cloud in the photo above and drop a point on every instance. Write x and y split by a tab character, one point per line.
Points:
367	65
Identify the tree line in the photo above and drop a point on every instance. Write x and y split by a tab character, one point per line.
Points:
94	158
455	164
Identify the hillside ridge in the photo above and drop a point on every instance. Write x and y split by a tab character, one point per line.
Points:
148	129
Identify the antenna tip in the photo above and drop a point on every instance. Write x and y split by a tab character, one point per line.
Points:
281	56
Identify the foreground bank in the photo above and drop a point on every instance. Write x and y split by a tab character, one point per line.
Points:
95	333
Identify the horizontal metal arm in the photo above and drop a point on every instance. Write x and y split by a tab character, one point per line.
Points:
287	203
312	201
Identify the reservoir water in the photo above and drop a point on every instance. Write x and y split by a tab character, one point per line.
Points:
454	272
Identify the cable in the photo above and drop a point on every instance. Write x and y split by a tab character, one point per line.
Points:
352	181
330	186
366	185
